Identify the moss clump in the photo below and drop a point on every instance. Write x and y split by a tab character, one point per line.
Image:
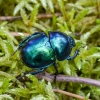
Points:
78	18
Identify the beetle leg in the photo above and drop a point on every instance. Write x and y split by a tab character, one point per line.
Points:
33	73
72	57
56	73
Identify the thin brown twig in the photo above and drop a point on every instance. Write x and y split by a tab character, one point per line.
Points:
70	94
64	78
10	18
40	16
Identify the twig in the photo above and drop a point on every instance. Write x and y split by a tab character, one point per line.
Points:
10	18
40	16
70	94
64	78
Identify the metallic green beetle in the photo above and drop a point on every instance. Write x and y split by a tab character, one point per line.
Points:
39	51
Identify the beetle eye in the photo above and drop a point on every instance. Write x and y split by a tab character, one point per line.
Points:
71	41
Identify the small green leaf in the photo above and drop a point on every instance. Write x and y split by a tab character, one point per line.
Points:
97	21
5	97
95	29
29	7
64	27
87	96
63	9
61	27
24	16
33	16
40	27
86	67
44	3
80	15
50	4
19	6
72	27
23	92
78	62
50	93
38	97
72	14
54	20
4	86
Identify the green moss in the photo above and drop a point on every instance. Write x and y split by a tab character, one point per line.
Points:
80	19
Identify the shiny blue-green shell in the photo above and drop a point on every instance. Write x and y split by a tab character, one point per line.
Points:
36	51
40	50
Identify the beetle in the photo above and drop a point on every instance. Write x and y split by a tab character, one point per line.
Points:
39	50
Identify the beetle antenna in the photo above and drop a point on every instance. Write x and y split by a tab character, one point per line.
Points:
15	51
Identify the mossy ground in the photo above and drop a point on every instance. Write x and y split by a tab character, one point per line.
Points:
79	19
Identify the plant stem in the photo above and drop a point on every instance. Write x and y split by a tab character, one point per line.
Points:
64	78
70	94
40	16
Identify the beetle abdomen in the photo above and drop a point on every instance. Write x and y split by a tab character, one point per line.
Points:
37	52
60	44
